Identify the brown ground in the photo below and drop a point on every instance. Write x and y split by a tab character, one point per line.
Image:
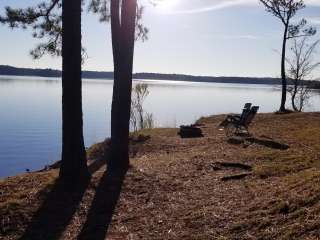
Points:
174	189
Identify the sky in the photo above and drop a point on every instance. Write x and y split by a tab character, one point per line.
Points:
198	37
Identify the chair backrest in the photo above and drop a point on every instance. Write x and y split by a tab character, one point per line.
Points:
245	111
247	106
250	116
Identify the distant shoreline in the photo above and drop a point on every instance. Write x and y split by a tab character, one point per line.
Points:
106	76
51	73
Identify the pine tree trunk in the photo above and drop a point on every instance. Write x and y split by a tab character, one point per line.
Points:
74	164
283	72
123	34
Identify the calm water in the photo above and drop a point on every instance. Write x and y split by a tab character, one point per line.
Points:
30	123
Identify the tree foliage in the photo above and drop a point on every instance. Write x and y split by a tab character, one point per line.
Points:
44	20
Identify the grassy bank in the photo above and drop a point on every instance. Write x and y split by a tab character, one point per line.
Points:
179	188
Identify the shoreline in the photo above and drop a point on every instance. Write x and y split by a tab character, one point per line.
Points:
99	75
185	188
55	164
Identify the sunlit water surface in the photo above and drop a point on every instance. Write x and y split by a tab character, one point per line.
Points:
30	110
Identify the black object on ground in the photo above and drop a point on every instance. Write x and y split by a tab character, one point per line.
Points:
190	132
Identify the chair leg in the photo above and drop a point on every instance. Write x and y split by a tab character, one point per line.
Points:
237	130
247	130
230	130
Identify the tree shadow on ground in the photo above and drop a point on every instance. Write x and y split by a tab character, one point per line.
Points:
56	211
266	142
61	203
103	206
96	165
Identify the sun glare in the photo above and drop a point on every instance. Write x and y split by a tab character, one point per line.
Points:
166	5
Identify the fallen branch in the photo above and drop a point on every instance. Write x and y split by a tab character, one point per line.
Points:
234	165
235	177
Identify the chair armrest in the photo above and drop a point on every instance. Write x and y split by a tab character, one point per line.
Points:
234	117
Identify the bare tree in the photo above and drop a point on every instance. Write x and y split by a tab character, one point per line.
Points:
139	119
285	10
301	65
148	121
140	92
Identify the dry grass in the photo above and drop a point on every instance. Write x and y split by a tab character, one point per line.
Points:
19	197
174	189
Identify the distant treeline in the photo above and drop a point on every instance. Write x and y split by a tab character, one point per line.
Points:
314	84
190	78
9	70
13	71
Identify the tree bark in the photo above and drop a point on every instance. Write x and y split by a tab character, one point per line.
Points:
293	103
283	71
74	166
140	113
294	94
123	36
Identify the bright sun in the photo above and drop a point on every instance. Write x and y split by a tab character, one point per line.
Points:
166	5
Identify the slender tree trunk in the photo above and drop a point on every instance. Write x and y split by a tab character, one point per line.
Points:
140	111
293	97
74	164
283	72
123	36
301	103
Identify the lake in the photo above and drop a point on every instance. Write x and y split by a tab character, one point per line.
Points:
30	123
